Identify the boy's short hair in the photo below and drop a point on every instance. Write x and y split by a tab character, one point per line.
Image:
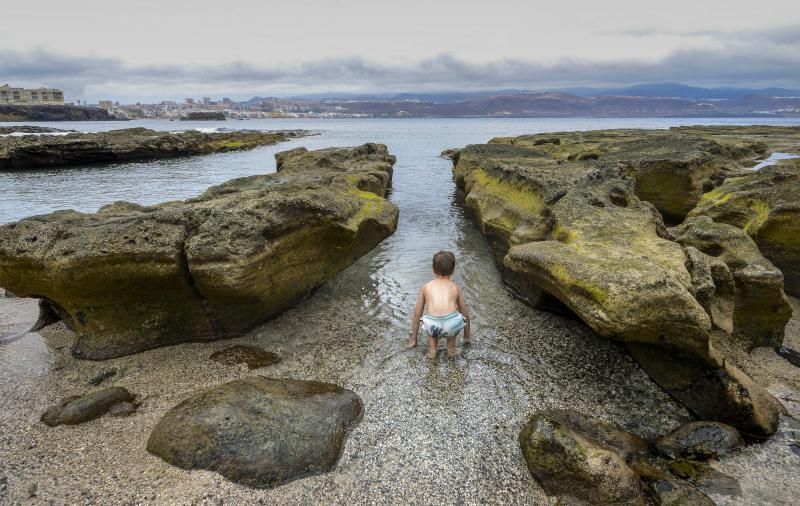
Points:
444	263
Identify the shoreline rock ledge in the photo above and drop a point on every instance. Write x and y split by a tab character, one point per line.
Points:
577	224
129	278
128	144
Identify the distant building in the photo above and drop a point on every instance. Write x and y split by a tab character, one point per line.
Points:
226	101
108	105
206	100
189	100
25	96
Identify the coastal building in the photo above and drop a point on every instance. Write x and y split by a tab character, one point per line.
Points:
25	96
108	105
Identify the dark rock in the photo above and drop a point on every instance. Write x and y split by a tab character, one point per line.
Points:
125	145
252	356
575	455
712	481
258	431
204	116
53	113
48	315
108	373
30	129
78	409
133	278
676	493
701	440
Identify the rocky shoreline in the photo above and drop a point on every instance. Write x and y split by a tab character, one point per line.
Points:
661	241
129	144
578	223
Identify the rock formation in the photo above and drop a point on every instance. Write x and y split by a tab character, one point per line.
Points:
53	113
700	440
258	431
131	277
766	205
22	152
78	409
575	221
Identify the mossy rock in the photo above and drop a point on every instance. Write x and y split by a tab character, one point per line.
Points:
766	205
130	278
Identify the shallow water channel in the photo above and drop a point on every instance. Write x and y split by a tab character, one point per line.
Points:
433	431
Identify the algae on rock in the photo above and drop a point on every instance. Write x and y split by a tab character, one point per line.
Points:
130	277
573	230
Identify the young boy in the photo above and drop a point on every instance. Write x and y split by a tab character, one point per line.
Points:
447	313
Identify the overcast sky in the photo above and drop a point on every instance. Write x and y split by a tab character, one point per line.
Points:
148	49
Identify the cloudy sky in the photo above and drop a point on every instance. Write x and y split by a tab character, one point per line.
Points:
147	49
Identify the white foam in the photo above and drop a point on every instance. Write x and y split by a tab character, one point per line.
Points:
773	159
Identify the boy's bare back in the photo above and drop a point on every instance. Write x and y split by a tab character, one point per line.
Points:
441	308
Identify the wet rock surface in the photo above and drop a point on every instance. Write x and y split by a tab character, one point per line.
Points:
252	356
569	453
259	431
578	227
675	493
701	440
130	278
25	152
79	409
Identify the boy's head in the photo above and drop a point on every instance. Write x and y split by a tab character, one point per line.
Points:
444	263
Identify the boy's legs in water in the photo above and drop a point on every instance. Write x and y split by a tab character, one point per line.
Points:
451	347
432	344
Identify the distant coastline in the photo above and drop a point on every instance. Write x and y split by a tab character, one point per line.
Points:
54	113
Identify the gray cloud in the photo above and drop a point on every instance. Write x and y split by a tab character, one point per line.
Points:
765	58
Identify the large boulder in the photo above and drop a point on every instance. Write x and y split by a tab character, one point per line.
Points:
766	205
130	277
258	431
30	151
572	454
571	233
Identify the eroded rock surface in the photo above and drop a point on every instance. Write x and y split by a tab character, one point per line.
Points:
78	409
576	226
22	152
253	356
129	277
766	205
259	431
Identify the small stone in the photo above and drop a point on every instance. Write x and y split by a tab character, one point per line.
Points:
108	373
700	440
78	409
252	356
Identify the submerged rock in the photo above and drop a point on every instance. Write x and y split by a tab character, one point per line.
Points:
258	431
78	409
252	356
700	440
124	145
575	455
131	277
572	232
766	205
675	493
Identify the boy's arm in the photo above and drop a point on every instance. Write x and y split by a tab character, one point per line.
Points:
412	340
464	310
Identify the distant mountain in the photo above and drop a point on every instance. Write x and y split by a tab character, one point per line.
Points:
676	90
